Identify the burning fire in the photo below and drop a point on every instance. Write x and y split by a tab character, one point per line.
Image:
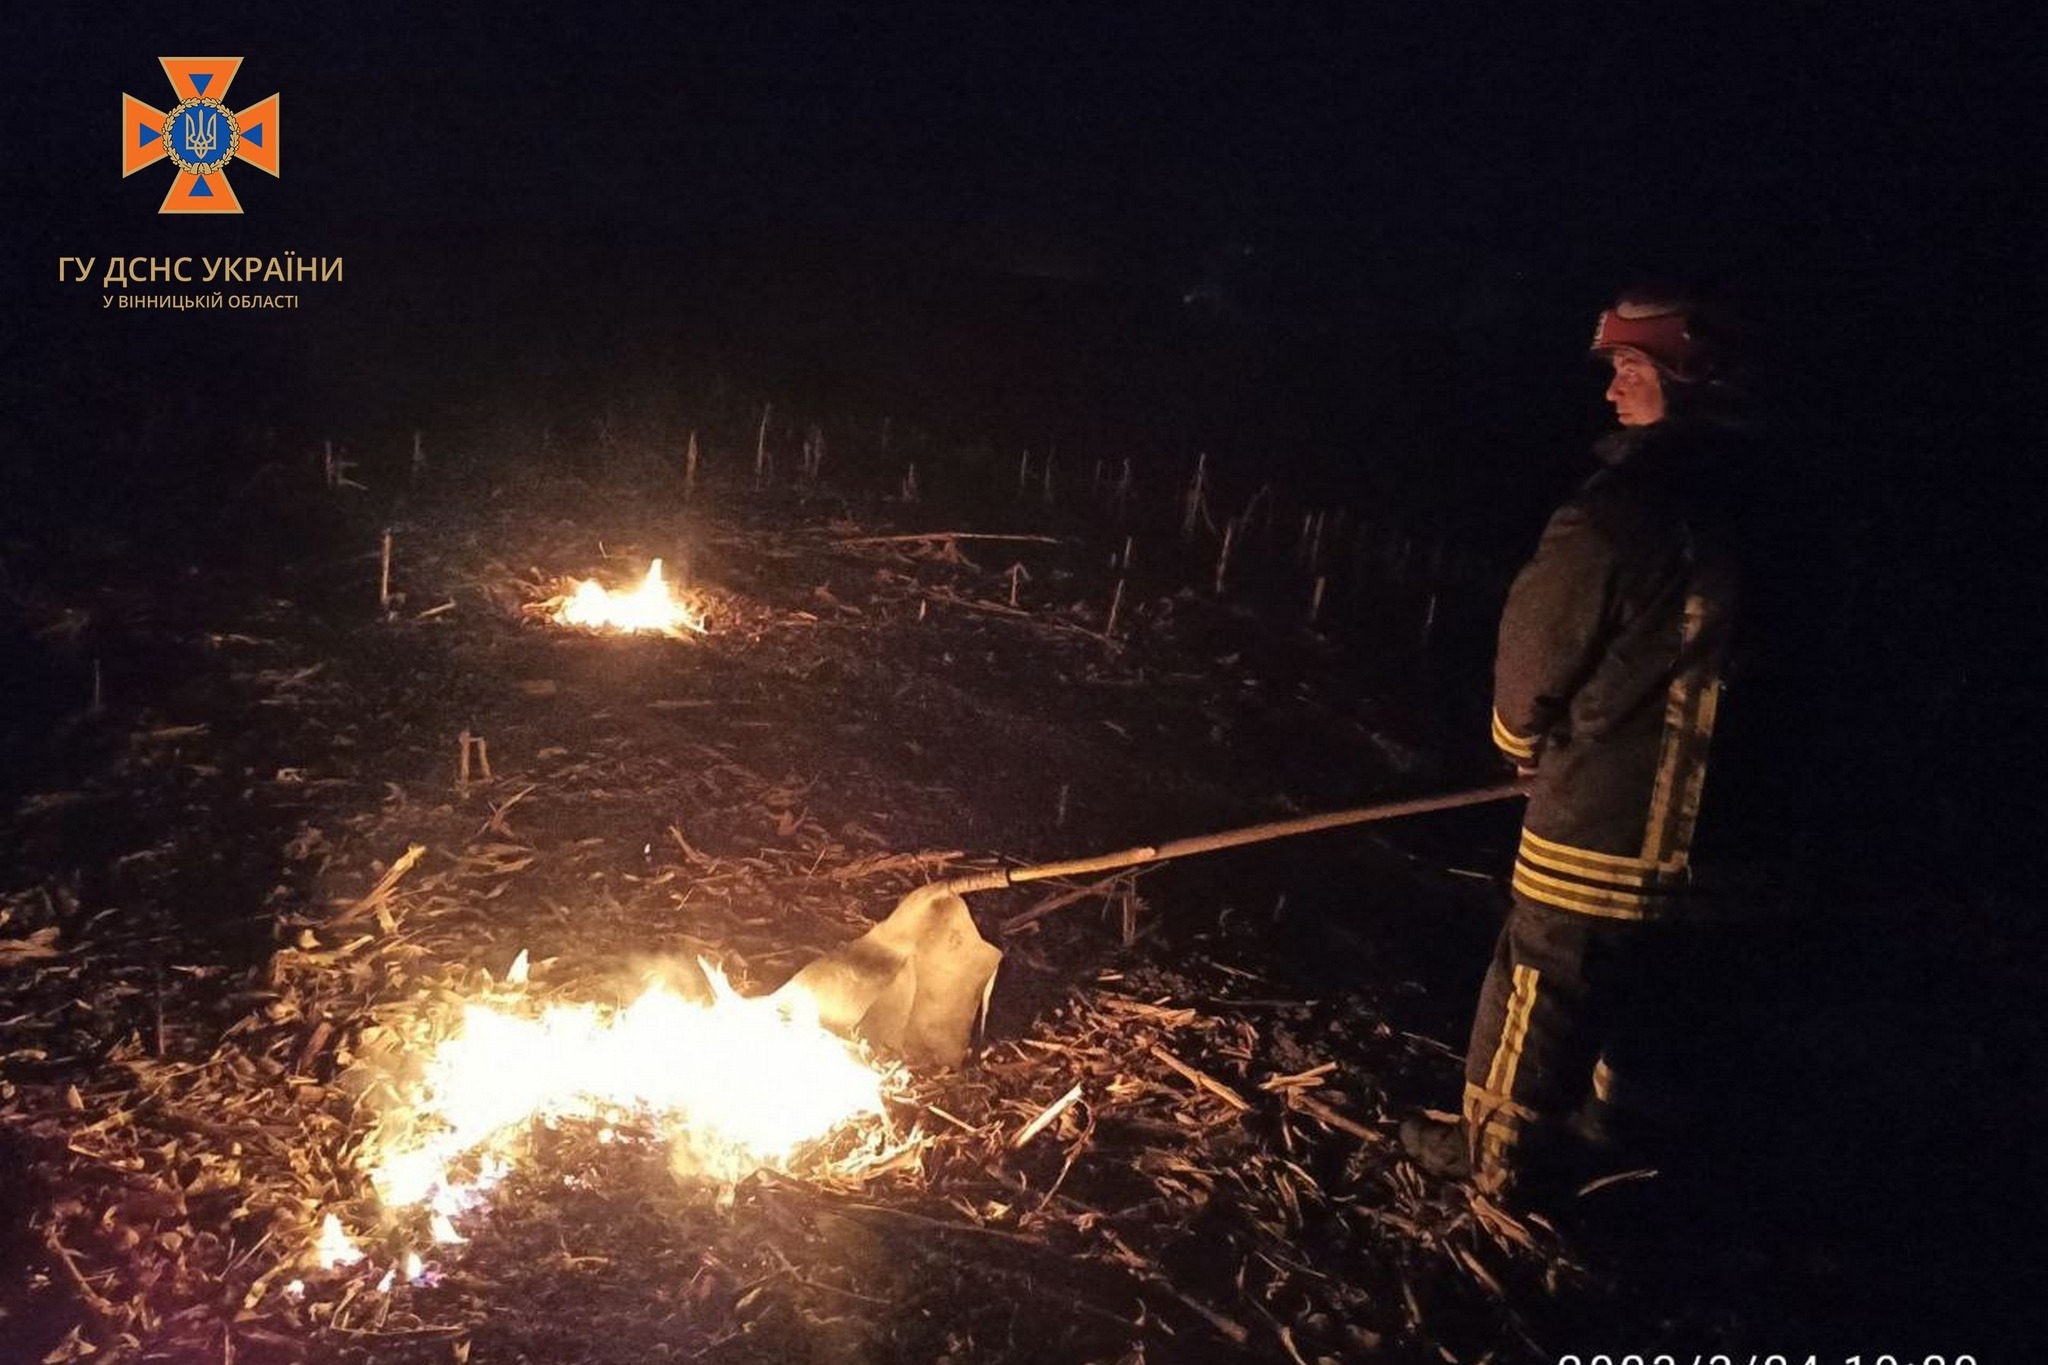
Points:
653	605
732	1086
335	1249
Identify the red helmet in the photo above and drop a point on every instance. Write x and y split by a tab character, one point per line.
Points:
1660	329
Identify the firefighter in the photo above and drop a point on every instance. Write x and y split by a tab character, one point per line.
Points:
1607	680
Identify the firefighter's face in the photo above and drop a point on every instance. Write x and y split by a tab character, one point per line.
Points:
1637	391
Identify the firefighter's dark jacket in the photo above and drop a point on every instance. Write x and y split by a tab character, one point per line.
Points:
1613	646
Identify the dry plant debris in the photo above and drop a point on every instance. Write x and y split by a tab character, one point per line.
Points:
194	1060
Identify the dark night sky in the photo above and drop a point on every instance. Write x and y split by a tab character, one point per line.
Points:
1866	174
1141	131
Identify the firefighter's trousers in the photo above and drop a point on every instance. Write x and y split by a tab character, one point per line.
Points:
1575	1008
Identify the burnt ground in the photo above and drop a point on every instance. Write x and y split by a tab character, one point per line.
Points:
193	983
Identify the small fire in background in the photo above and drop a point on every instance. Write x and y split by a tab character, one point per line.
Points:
731	1085
652	606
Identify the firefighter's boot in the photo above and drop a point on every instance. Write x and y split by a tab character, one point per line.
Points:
1442	1147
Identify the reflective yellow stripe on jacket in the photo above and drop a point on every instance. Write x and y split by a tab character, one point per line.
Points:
1690	704
1610	885
1519	748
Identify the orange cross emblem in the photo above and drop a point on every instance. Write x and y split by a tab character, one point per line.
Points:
199	134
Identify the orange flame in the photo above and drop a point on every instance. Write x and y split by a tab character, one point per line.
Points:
733	1086
653	605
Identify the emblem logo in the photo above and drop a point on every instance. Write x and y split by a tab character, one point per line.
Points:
200	135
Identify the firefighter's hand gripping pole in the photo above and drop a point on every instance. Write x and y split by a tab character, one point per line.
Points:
918	982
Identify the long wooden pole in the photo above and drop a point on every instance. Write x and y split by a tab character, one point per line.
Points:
1234	838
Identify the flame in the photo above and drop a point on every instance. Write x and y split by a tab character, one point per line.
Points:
335	1248
651	606
733	1085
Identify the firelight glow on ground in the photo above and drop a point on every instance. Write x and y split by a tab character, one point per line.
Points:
732	1086
651	606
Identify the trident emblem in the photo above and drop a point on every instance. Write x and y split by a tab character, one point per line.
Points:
202	132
